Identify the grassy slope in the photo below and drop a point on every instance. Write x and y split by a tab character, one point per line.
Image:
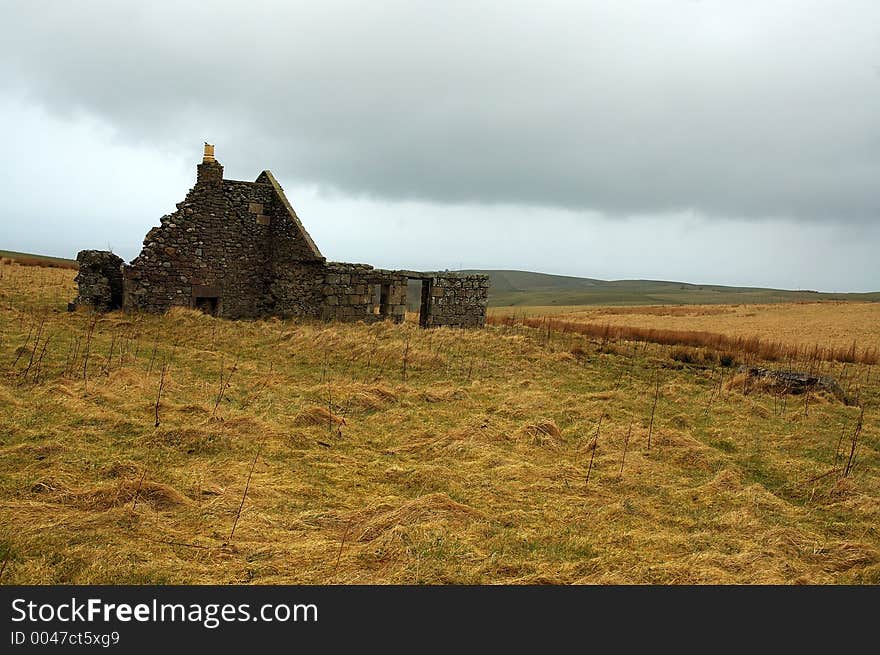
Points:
12	254
520	288
454	475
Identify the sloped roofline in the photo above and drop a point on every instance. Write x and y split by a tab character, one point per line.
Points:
267	177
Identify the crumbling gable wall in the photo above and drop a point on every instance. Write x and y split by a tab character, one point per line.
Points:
296	265
99	280
223	249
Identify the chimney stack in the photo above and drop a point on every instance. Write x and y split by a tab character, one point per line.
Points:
209	171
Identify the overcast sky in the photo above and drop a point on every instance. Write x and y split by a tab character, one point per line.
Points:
698	140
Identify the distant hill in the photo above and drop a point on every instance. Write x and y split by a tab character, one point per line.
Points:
522	288
28	259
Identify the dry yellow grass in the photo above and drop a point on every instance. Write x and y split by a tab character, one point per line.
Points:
806	324
472	470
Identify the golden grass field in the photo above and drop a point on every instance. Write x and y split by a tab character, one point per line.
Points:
803	323
382	453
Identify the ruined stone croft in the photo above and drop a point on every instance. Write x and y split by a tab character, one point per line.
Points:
238	250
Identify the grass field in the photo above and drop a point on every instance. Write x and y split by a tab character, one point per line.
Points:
831	330
804	323
304	452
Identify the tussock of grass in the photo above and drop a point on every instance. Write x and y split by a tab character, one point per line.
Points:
543	433
317	416
36	451
126	491
430	509
443	394
188	440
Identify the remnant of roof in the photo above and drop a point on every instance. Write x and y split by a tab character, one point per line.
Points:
266	177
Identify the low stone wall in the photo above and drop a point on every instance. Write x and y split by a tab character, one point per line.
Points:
458	301
99	280
331	291
359	292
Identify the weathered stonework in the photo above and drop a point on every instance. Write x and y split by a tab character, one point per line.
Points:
355	292
238	250
235	248
99	280
796	383
458	300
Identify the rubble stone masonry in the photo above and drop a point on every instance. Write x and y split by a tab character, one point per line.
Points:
99	280
238	250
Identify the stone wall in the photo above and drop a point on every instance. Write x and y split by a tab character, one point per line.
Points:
458	301
295	291
99	280
358	292
238	250
232	247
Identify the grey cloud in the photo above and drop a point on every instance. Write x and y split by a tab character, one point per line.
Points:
70	185
751	110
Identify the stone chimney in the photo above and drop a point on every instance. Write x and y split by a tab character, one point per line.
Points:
209	171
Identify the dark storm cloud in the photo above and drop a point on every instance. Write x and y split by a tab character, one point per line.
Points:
749	109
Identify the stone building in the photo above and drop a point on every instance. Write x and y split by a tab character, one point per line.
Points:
238	250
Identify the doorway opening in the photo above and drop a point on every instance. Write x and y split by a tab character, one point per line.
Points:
206	298
381	295
207	304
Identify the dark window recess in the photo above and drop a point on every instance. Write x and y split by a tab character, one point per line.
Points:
377	298
207	305
384	297
425	306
